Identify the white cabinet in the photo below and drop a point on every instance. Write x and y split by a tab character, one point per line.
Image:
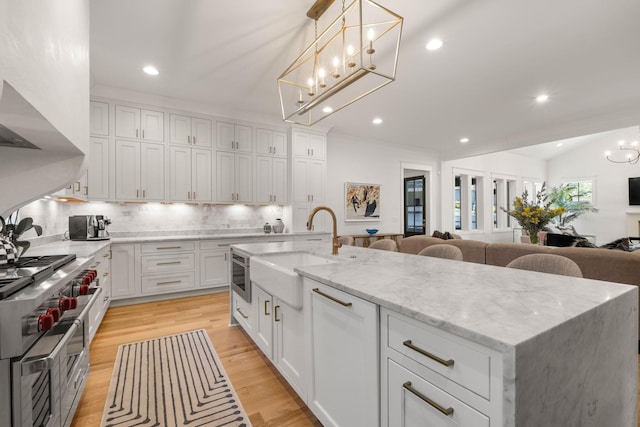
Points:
235	137
136	123
272	181
269	142
308	180
189	130
139	171
214	264
99	118
189	174
342	334
167	267
234	177
102	264
310	145
123	276
244	313
279	332
98	170
77	190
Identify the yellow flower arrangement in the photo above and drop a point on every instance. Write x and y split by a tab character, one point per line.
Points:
533	215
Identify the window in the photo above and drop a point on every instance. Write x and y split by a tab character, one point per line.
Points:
581	191
457	221
467	202
504	192
474	204
414	206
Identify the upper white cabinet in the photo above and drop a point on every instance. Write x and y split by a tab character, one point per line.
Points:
136	123
189	174
235	137
271	143
99	118
98	170
272	181
139	169
234	177
309	145
190	131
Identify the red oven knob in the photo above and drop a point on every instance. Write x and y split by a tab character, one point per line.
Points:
86	280
55	312
64	304
73	303
45	322
84	289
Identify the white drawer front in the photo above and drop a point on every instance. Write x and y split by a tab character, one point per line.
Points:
243	313
413	401
220	244
167	263
168	283
469	367
162	247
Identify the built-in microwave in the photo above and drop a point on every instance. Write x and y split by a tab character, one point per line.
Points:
240	278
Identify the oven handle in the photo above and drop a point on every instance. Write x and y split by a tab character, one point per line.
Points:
92	300
44	363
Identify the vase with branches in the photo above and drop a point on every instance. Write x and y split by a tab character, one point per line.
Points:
13	229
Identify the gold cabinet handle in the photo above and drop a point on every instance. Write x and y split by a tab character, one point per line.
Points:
345	304
110	254
86	190
447	363
266	303
168	247
194	140
144	194
446	411
194	195
241	313
105	274
226	258
136	133
188	195
77	185
275	313
169	263
142	133
107	255
188	139
137	194
274	150
172	282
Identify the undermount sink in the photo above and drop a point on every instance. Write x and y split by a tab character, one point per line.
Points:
274	273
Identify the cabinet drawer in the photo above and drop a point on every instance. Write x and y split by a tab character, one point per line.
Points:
167	283
468	366
150	248
221	244
413	400
162	263
243	313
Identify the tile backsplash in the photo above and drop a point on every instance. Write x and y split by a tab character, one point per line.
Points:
151	217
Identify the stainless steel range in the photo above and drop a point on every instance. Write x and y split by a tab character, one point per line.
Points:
44	305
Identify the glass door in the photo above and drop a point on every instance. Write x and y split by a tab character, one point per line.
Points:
414	206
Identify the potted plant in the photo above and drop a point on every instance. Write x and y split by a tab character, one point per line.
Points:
535	214
565	196
11	231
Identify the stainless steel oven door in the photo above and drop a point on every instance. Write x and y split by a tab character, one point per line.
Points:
240	279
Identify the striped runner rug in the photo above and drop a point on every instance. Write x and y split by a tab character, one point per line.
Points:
172	381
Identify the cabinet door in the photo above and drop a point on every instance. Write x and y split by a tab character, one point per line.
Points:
317	146
99	119
152	124
127	170
123	271
243	138
225	166
264	192
179	174
201	185
289	353
244	177
152	171
127	122
300	214
300	144
98	172
279	144
214	268
264	140
301	181
225	136
316	180
344	381
201	132
179	129
244	313
263	334
280	181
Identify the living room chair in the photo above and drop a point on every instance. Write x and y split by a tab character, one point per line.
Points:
547	263
442	251
385	245
347	240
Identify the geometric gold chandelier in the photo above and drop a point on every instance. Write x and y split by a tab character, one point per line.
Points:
632	152
355	55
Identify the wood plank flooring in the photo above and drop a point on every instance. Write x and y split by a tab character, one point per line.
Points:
265	395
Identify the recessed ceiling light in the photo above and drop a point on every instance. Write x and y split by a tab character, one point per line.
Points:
434	44
542	98
377	121
327	110
464	140
151	70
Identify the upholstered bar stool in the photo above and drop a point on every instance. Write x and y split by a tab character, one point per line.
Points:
347	240
442	251
385	245
547	263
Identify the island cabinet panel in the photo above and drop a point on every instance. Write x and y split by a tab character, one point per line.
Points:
342	333
123	273
434	377
102	265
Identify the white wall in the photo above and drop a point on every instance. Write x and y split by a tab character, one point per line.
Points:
502	165
615	218
360	161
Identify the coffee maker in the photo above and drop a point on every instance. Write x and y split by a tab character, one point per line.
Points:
88	227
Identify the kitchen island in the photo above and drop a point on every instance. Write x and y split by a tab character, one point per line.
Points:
519	348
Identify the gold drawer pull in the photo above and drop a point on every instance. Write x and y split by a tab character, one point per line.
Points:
172	282
265	307
318	291
169	263
443	410
275	313
449	362
241	313
168	247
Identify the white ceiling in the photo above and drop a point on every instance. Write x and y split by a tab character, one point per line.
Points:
497	56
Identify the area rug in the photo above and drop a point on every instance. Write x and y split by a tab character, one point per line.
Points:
173	381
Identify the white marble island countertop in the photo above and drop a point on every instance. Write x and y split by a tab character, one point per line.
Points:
493	306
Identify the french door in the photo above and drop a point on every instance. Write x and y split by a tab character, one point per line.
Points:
415	221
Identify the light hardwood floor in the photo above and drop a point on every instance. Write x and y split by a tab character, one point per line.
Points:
265	395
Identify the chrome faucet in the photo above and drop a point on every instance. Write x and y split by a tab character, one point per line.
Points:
335	244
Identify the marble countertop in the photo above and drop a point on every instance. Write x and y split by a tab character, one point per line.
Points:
494	306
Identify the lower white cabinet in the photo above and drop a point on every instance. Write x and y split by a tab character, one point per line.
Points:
342	335
123	275
244	313
102	265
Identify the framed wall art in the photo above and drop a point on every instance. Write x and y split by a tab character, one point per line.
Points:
362	202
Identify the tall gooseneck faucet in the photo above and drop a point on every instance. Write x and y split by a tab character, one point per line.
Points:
335	244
